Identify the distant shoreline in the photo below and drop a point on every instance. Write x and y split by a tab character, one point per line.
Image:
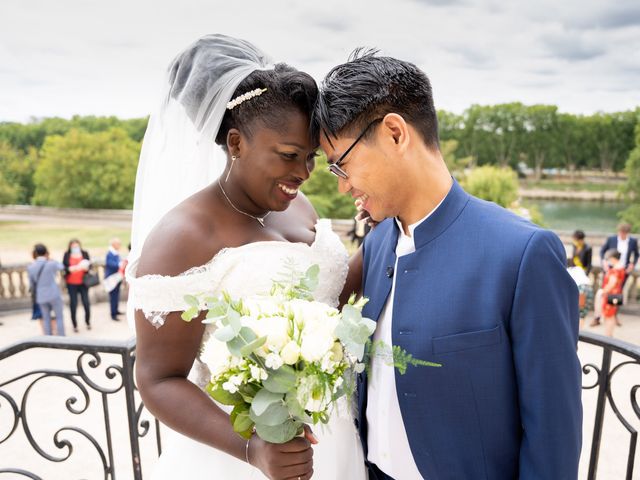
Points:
543	194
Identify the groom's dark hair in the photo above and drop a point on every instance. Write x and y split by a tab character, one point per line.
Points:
368	87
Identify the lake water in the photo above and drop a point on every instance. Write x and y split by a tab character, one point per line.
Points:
569	215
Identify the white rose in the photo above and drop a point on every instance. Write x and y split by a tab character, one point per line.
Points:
315	345
311	314
290	353
261	306
276	329
216	356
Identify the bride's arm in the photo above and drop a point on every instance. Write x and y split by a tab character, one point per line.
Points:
354	277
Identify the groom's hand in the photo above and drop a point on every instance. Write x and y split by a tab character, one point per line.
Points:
292	460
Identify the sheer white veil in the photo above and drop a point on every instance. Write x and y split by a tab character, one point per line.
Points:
179	155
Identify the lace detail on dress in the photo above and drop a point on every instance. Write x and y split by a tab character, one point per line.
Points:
242	271
159	295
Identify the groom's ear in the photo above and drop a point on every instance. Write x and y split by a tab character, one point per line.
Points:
234	140
396	131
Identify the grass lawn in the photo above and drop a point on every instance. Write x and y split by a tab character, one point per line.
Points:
17	239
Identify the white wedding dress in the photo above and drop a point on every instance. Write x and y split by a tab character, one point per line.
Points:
243	271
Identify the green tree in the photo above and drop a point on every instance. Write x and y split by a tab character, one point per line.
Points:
322	191
574	142
8	193
631	189
87	170
456	165
613	138
17	169
542	135
495	184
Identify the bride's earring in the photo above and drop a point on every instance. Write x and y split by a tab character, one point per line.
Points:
233	161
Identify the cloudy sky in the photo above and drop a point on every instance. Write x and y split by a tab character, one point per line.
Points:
108	57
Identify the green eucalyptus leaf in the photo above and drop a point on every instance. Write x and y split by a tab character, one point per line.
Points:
253	346
281	380
263	399
192	301
225	333
248	391
241	421
310	280
220	395
294	407
279	434
275	414
244	337
189	314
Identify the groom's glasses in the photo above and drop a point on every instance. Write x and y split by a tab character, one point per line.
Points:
335	166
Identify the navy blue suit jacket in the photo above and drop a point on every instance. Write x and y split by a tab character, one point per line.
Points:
487	295
111	264
612	242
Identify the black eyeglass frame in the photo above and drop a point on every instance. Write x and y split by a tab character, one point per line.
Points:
335	166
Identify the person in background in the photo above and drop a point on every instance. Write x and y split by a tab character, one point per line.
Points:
76	262
42	279
611	285
112	267
582	252
585	289
627	246
36	312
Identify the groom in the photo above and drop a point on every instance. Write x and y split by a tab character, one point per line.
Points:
455	280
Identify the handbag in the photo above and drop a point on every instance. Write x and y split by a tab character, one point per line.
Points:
615	299
90	279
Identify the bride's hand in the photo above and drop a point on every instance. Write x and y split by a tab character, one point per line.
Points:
277	461
363	215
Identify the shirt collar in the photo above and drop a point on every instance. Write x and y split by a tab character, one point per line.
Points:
434	224
415	225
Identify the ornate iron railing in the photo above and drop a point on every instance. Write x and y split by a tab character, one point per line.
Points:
104	369
102	374
605	373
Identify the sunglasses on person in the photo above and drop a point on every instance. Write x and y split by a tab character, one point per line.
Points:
335	166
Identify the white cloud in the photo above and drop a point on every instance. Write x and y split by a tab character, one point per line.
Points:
108	58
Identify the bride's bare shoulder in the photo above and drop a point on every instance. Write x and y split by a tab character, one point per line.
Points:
184	238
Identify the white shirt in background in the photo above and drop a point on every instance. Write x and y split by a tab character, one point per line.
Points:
623	248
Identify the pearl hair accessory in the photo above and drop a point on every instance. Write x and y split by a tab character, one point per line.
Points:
245	96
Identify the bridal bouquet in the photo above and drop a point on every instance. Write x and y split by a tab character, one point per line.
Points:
283	359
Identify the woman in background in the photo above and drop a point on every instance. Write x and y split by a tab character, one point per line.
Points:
76	264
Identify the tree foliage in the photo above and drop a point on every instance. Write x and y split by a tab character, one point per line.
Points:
87	170
631	189
495	184
8	193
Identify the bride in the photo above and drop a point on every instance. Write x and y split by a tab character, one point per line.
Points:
228	217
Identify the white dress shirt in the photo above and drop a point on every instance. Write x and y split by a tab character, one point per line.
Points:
623	248
387	438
